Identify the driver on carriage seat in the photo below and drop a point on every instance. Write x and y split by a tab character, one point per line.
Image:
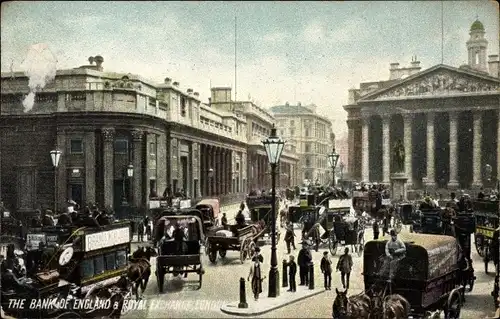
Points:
395	251
9	279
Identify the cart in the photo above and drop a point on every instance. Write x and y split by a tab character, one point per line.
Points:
429	276
178	240
237	239
210	210
487	220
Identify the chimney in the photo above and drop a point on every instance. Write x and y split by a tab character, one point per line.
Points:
493	65
395	73
98	62
299	104
196	94
176	84
209	102
189	91
167	81
287	104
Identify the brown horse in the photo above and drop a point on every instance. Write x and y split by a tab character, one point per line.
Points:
396	307
140	269
358	306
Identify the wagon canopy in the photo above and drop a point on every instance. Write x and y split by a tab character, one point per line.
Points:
427	256
192	224
207	205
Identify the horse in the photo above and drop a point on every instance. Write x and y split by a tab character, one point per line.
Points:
139	269
358	306
396	307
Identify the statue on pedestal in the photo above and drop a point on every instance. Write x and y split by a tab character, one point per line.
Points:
398	156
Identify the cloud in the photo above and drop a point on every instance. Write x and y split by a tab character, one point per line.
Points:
317	31
274	37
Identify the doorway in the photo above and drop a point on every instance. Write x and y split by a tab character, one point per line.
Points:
76	193
184	170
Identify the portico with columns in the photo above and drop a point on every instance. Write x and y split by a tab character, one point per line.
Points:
449	135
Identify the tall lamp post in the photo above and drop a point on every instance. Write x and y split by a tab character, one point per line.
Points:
129	172
55	156
274	146
333	158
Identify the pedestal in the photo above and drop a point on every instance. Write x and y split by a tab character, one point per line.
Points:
398	186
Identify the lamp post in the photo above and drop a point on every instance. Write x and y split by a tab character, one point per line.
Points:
129	172
333	158
210	176
274	146
55	156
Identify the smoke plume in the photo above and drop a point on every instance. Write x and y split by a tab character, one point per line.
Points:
40	67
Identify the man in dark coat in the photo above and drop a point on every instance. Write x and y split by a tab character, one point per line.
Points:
304	259
292	271
223	220
290	237
326	269
376	229
140	231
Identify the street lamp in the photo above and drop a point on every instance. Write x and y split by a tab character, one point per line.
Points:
128	174
55	156
274	146
210	176
333	158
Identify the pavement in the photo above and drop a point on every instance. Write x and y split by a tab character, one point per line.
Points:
220	289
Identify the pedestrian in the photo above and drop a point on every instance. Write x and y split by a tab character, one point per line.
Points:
140	232
304	259
376	229
290	238
385	225
258	255
344	265
292	271
256	276
223	220
326	269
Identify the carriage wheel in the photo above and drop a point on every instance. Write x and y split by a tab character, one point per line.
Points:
206	244
453	305
68	315
222	253
332	245
160	278
212	254
479	243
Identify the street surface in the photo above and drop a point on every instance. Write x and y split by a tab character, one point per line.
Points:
221	286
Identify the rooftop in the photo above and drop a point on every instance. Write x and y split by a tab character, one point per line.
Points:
290	109
477	26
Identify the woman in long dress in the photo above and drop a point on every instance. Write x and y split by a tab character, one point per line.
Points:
256	276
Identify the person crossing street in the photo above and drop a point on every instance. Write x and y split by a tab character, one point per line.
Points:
344	265
326	269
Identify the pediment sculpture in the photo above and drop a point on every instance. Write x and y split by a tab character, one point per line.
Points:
441	83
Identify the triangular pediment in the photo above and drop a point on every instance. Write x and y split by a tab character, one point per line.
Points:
437	81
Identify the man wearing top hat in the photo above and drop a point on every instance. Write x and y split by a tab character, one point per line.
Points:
304	259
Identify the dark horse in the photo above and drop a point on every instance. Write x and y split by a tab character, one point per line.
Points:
139	269
358	306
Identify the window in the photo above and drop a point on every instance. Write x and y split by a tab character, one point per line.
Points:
99	266
308	162
87	268
292	132
110	261
308	147
76	146
152	188
121	147
307	132
292	123
76	96
183	107
152	149
152	102
121	259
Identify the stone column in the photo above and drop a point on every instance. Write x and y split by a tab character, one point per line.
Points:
137	179
476	155
90	166
453	182
407	128
201	176
230	171
220	171
108	169
386	149
365	156
350	147
431	167
212	166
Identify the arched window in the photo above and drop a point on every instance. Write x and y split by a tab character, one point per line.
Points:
476	57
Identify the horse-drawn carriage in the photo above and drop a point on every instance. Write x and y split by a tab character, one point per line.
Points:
178	238
486	213
210	209
429	276
260	208
346	230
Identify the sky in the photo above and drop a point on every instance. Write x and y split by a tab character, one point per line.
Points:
308	52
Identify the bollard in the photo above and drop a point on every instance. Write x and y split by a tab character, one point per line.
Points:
285	273
243	294
311	276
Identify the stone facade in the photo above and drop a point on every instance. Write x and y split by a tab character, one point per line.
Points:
310	135
447	118
104	122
